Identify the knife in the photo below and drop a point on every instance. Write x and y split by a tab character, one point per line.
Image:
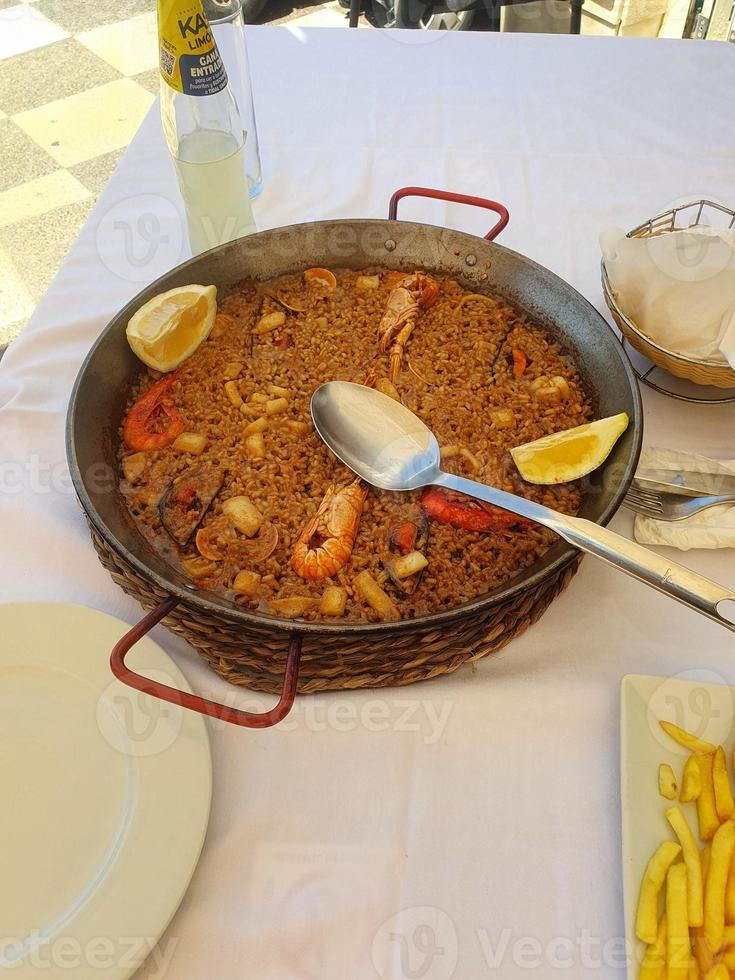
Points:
686	483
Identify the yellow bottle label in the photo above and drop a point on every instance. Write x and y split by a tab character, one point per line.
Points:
188	56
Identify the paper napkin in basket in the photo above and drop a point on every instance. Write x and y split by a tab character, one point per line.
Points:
713	528
677	288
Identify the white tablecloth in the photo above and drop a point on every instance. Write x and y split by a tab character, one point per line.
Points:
484	807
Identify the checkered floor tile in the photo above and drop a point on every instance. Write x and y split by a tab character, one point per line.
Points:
63	66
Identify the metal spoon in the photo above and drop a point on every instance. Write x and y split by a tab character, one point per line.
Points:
390	447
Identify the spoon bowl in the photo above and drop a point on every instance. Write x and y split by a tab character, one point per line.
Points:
375	436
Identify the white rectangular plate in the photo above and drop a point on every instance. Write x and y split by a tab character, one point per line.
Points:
698	701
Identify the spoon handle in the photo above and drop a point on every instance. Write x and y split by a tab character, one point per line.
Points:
666	576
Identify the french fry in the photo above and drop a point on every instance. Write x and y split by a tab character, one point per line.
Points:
691	781
724	803
704	956
646	920
693	970
723	845
728	937
677	926
718	972
689	741
728	959
667	781
730	895
695	895
701	950
706	809
653	964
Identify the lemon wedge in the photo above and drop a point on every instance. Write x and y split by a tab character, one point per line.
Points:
571	454
170	327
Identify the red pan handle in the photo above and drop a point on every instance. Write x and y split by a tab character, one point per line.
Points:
247	719
480	202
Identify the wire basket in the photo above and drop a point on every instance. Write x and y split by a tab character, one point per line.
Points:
701	372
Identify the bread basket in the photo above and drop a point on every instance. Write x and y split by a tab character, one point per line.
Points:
701	372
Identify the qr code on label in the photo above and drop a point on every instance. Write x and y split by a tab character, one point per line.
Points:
167	62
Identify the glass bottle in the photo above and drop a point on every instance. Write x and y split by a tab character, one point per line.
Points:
203	128
225	19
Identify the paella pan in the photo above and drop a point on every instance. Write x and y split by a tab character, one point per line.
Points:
500	306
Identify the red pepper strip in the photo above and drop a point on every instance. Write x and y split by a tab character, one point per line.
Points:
520	362
469	513
139	431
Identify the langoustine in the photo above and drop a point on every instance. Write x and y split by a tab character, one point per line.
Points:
326	543
406	300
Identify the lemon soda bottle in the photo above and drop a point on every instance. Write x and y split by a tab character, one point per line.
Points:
202	125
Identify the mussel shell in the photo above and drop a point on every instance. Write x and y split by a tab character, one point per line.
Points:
420	522
181	510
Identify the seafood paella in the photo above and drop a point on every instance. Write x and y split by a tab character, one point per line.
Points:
224	475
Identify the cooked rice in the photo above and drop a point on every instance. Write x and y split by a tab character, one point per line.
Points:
462	351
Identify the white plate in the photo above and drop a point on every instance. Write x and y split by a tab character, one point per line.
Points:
105	797
693	701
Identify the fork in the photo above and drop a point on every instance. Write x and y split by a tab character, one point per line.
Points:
670	506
